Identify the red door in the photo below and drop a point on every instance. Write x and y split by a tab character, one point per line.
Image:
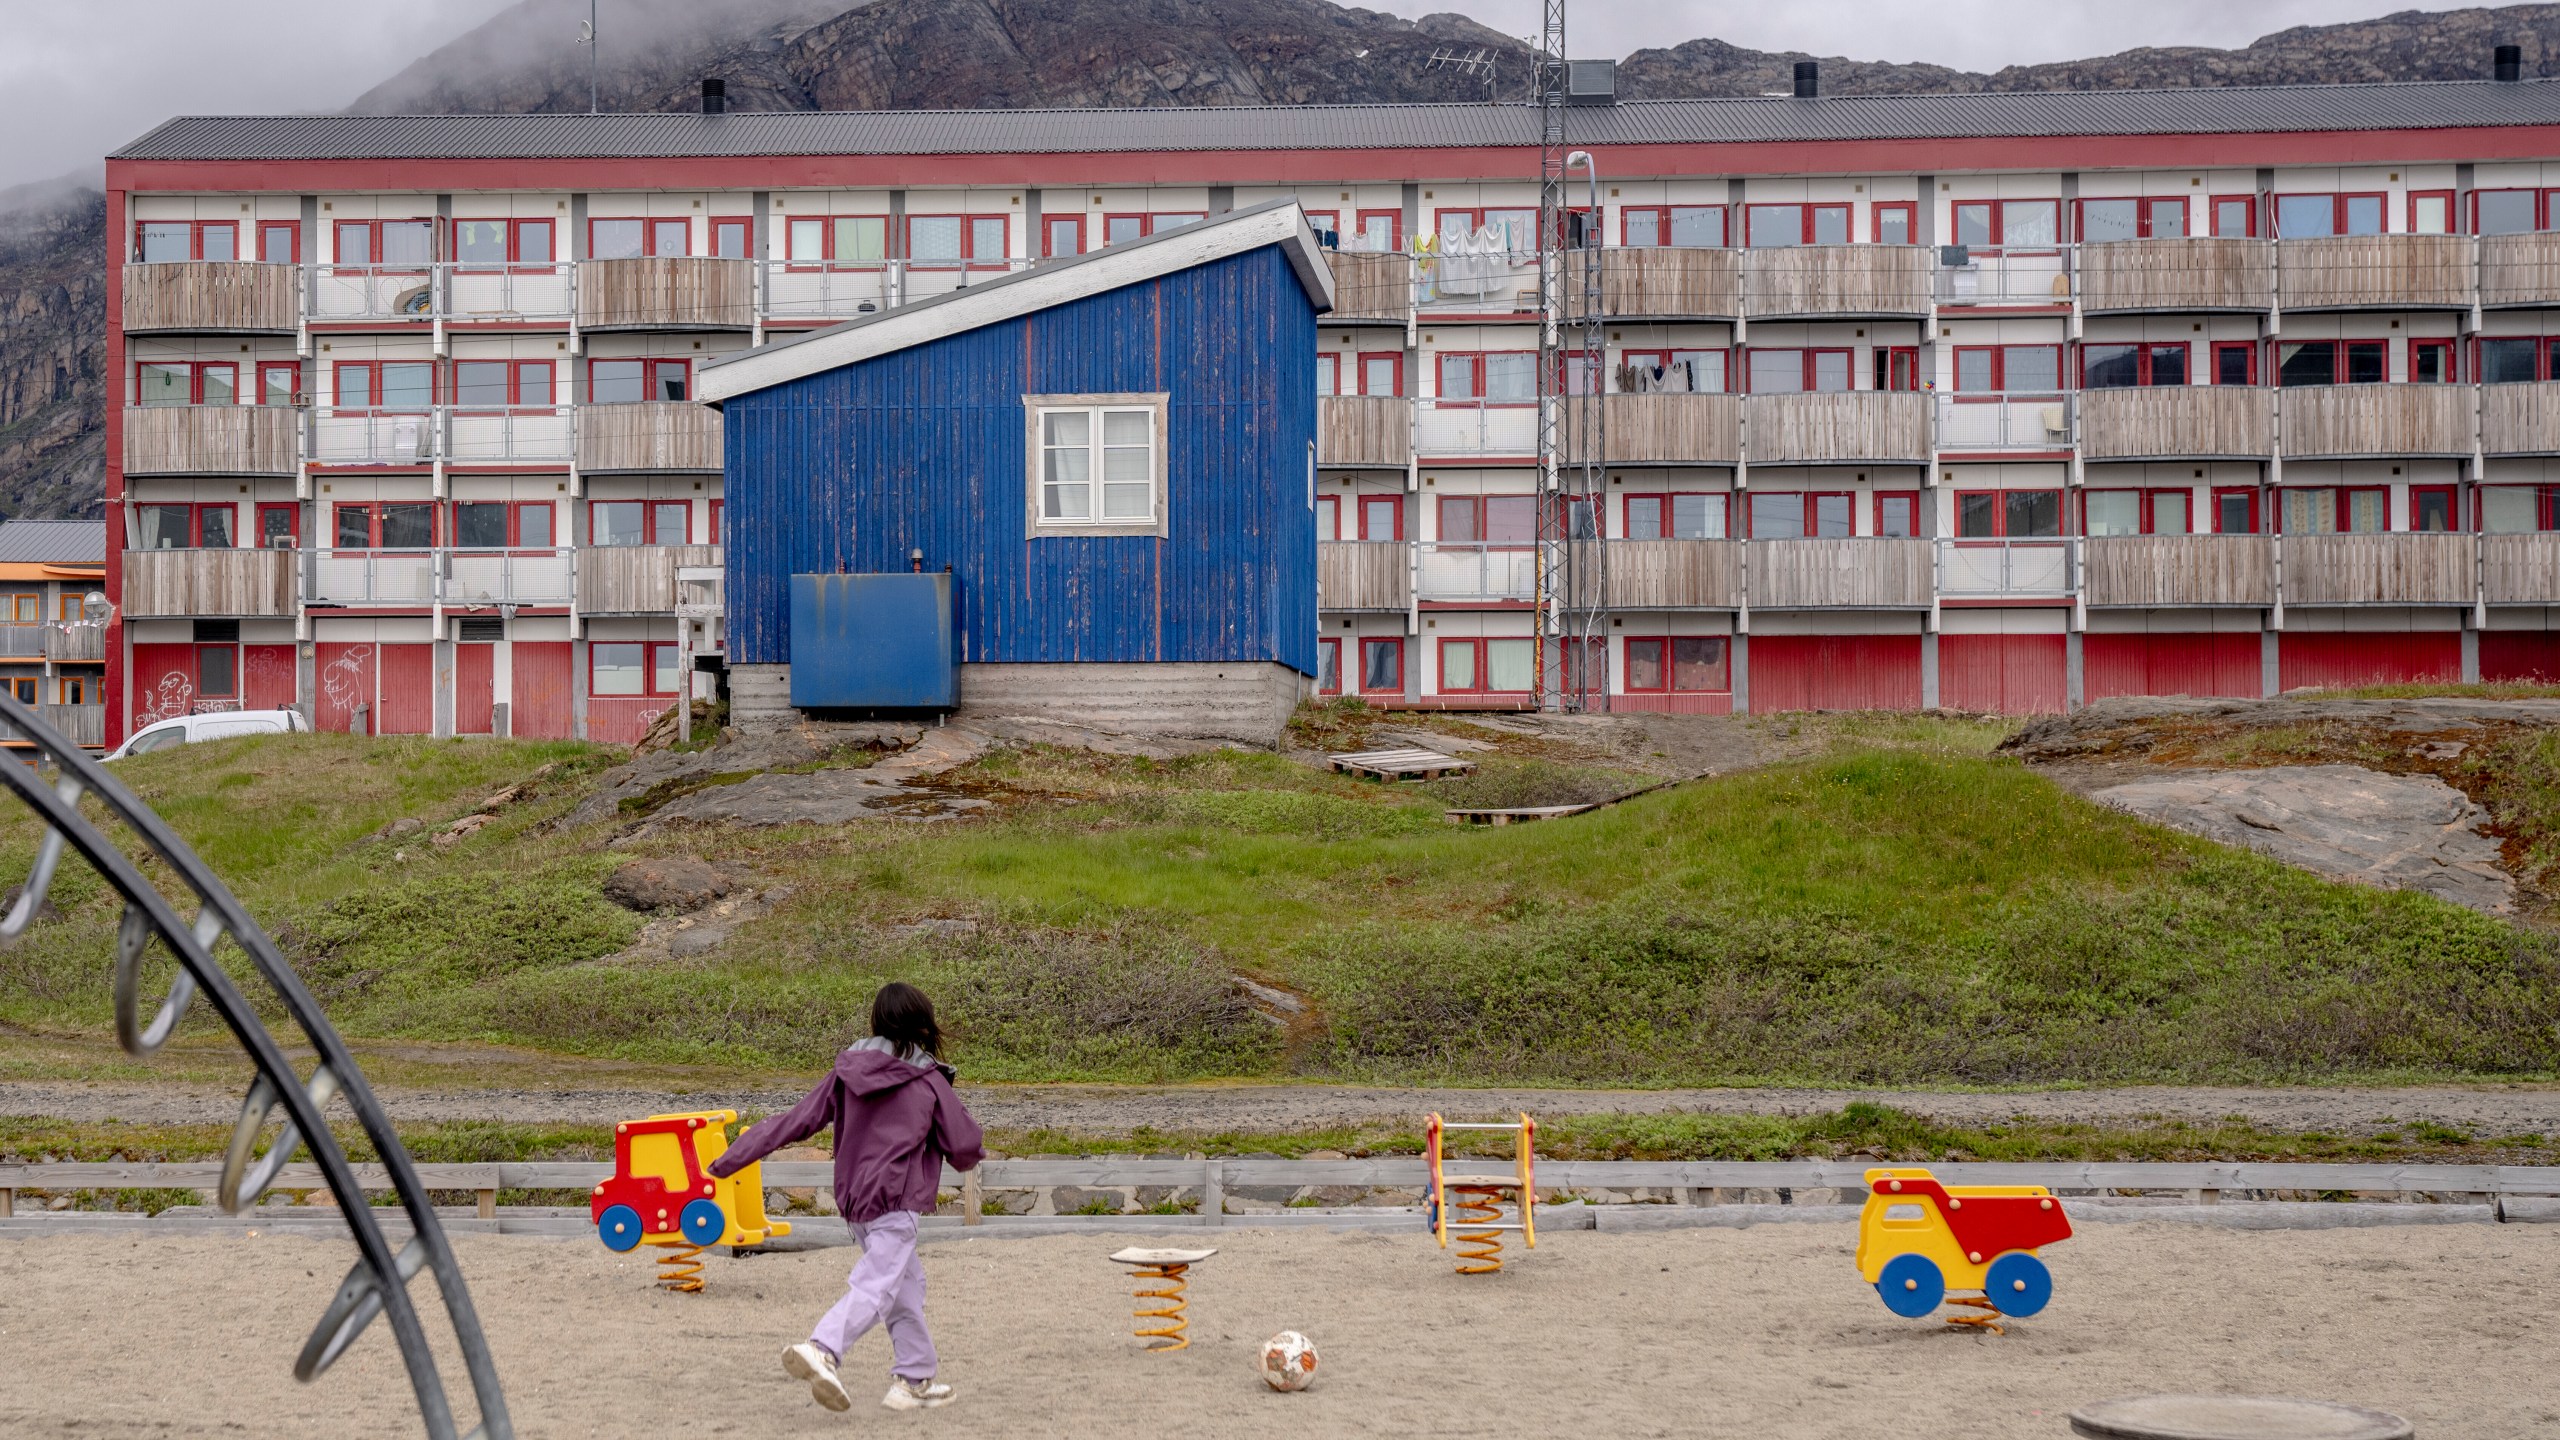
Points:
2334	659
538	703
164	682
2528	655
344	675
1834	672
266	677
408	675
474	689
2176	663
2004	674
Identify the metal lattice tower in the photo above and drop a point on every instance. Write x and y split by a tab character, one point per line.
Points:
1573	570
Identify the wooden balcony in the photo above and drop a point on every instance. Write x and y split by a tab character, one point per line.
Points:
75	641
2359	420
648	435
2520	569
2520	419
1364	430
1662	429
1674	574
2198	273
1363	575
244	583
666	293
2520	270
228	297
635	579
1373	287
1862	574
2389	569
209	440
2177	422
1824	280
2377	272
1658	283
1839	428
2176	570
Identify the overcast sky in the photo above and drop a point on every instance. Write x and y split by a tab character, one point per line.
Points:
84	76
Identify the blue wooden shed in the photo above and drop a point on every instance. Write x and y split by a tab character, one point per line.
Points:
1100	469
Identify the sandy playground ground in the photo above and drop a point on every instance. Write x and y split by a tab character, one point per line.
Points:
1757	1332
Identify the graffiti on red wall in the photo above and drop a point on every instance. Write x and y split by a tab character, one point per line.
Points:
172	697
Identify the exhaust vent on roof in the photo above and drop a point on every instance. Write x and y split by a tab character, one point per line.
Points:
715	97
2509	63
1591	82
1808	79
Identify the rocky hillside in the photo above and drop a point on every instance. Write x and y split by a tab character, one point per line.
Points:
973	54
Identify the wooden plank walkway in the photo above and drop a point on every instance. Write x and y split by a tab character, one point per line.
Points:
1521	815
1410	764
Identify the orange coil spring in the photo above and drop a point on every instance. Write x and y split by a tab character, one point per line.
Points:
1988	1321
1479	1251
680	1268
1169	1335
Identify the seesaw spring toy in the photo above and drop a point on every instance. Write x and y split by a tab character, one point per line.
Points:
1164	1270
1918	1240
663	1193
1475	1201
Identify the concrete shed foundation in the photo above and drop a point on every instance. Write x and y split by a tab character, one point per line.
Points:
1245	702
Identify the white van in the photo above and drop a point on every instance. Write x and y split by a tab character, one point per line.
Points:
221	725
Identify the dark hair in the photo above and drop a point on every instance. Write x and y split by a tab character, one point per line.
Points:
901	1015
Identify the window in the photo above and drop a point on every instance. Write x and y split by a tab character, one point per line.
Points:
2235	512
188	527
1676	664
712	538
385	242
279	526
2333	362
2430	212
732	237
2136	512
631	667
2335	510
1328	517
2507	212
840	240
401	525
1496	377
2304	217
503	242
1494	520
1895	222
1328	666
1328	374
386	384
1097	461
1381	517
1676	517
1766	227
626	382
1684	225
1788	372
638	522
2235	215
2235	362
2016	224
1061	235
1382	666
278	382
2008	514
1377	230
2146	218
186	382
2024	369
631	237
2431	362
279	242
74	690
1897	367
1898	514
2116	367
155	241
499	384
2432	509
1487	667
2519	509
959	241
1382	373
1800	515
66	606
1677	371
498	524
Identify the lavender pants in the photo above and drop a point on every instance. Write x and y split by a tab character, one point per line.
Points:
886	1287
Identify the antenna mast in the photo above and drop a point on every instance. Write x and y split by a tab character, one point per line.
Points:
1572	564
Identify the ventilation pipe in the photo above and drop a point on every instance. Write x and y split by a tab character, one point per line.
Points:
2509	65
715	97
1808	79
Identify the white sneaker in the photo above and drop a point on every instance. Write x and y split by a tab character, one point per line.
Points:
805	1361
916	1394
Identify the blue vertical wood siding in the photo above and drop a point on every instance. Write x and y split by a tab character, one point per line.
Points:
923	449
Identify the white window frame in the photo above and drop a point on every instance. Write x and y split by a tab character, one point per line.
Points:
1036	408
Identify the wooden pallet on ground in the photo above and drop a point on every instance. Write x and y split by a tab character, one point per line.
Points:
1401	764
1520	815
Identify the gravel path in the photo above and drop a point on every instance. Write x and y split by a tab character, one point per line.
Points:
2487	1110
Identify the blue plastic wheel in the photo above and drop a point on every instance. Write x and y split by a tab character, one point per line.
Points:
619	1228
702	1222
2018	1284
1431	1213
1911	1286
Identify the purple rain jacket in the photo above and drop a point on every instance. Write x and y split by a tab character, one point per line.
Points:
896	1122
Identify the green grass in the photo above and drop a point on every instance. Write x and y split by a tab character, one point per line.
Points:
2490	690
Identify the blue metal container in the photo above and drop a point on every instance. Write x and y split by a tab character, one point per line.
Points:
873	642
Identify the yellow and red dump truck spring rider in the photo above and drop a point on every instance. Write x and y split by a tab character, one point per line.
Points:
1918	1241
663	1193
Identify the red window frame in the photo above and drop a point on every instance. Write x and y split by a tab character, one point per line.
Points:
516	510
743	226
292	387
1662	224
1392	505
2249	220
231	657
1395	225
1484	671
714	521
2338	357
2447	369
1664	649
373	242
1897	367
969	259
1381	642
1476	508
1050	225
827	258
1909	210
292	241
2000	370
196	370
1811	522
2337	207
195	236
2248	349
373	510
1328	660
2143	351
2241	492
1475	361
652	507
2452	212
1328	373
1806	225
1328	517
2343	500
2452	497
1996	222
546	389
1663	358
1907	497
2542	207
1368	358
1663	515
652	369
651	227
2144	498
292	520
1323	220
1806	355
195	518
2000	514
373	387
649	657
2143	207
1475	216
515	241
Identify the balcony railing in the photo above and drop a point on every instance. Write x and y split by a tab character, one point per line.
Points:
75	641
2006	569
1862	573
648	435
2375	420
636	579
80	724
2520	569
671	292
2176	421
2520	419
794	290
1363	575
21	642
1674	574
1476	428
1370	286
527	434
1658	282
237	583
2377	272
2197	272
459	577
1660	429
210	296
1354	430
2398	568
2167	571
2519	269
1827	280
1453	571
209	440
441	291
1477	283
1984	422
2001	277
1837	428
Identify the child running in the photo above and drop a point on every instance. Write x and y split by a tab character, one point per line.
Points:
896	1122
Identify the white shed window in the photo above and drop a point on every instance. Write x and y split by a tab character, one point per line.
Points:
1097	463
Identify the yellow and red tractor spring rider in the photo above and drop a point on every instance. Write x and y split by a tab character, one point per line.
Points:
1918	1240
1470	1206
663	1193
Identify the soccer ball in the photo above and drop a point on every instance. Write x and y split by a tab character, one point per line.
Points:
1288	1361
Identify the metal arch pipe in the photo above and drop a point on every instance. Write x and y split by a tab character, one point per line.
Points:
220	912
